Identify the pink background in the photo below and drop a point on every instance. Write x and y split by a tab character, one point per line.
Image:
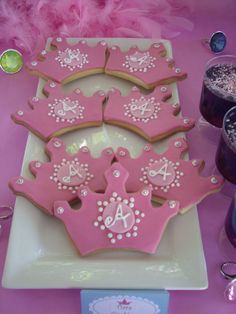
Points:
191	56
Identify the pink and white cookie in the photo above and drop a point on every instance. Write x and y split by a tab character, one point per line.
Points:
147	115
147	68
66	62
63	175
61	113
115	219
168	175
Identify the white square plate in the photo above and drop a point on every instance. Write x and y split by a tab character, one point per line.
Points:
41	255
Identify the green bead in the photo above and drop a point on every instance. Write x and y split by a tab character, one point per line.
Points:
11	61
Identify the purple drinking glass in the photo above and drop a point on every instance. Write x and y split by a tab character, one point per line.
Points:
227	240
219	89
226	151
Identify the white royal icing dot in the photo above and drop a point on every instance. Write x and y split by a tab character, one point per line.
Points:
52	84
134	234
95	224
113	241
114	194
128	234
145	192
172	204
135	228
214	180
60	210
119	236
110	235
178	144
43	52
20	181
100	209
163	89
102	227
137	212
34	63
20	113
116	173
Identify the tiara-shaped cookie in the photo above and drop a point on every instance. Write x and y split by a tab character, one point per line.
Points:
68	62
147	68
147	115
61	177
61	113
115	219
168	175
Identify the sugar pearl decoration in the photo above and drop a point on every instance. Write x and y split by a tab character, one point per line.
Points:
178	144
52	84
163	89
43	52
214	180
60	210
116	173
194	162
20	113
145	192
172	204
57	144
20	181
147	148
84	192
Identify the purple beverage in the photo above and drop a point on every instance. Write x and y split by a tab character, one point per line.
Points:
226	152
230	223
219	89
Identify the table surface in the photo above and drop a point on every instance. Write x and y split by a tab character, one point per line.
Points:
191	56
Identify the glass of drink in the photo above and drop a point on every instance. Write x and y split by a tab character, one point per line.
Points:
218	90
226	151
228	233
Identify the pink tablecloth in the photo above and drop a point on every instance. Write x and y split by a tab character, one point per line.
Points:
191	55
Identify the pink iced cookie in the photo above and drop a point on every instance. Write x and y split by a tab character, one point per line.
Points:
146	115
115	219
168	175
60	113
147	68
68	62
61	177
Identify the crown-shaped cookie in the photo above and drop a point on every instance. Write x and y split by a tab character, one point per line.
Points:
115	219
61	113
148	115
168	175
147	68
61	177
67	62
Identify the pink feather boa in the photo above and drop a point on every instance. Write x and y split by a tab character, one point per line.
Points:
26	24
